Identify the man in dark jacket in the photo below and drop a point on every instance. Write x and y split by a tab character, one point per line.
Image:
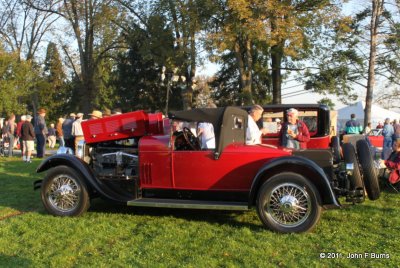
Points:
41	133
67	131
353	126
28	137
294	133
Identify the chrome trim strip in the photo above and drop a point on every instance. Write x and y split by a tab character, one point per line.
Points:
188	204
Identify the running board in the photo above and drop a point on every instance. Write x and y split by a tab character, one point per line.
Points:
189	204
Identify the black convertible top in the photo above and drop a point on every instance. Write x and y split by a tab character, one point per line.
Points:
211	115
229	123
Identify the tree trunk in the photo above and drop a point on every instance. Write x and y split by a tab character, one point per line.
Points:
377	6
276	61
244	62
191	73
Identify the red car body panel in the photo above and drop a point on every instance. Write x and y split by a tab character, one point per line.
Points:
376	141
314	143
162	167
123	126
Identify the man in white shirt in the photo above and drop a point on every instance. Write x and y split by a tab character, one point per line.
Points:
206	132
253	133
77	131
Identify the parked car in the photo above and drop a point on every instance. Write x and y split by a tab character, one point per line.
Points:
145	160
376	138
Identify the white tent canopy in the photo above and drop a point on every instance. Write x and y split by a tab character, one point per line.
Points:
378	114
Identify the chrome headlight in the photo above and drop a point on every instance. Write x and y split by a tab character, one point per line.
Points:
349	166
81	149
64	150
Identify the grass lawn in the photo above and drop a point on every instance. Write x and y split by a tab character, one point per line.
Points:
118	236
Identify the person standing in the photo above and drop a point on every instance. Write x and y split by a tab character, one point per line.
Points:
67	131
77	132
19	126
28	137
96	114
387	133
51	137
116	111
106	112
396	128
253	133
368	129
353	126
10	133
294	133
59	132
206	132
41	133
4	129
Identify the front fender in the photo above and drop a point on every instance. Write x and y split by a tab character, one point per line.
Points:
87	174
301	165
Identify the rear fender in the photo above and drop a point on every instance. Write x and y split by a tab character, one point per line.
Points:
94	185
300	165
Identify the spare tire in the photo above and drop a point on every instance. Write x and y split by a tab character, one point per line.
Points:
335	146
349	156
368	168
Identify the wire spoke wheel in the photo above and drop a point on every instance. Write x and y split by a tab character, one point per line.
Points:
288	205
64	193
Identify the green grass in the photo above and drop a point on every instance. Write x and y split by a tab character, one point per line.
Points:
119	236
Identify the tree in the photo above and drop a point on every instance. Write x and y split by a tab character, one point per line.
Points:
226	86
16	79
236	28
22	28
328	102
338	67
137	77
373	30
184	20
94	28
281	31
377	8
52	92
389	60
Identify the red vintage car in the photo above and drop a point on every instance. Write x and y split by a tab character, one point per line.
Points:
376	138
143	160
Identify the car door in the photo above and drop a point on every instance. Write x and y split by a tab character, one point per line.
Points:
233	171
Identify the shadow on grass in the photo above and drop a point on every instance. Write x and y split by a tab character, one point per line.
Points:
14	261
16	192
16	185
210	216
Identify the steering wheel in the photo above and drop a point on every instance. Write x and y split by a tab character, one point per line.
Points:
191	139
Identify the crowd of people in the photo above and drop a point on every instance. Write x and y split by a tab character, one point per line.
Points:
390	157
390	132
25	133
